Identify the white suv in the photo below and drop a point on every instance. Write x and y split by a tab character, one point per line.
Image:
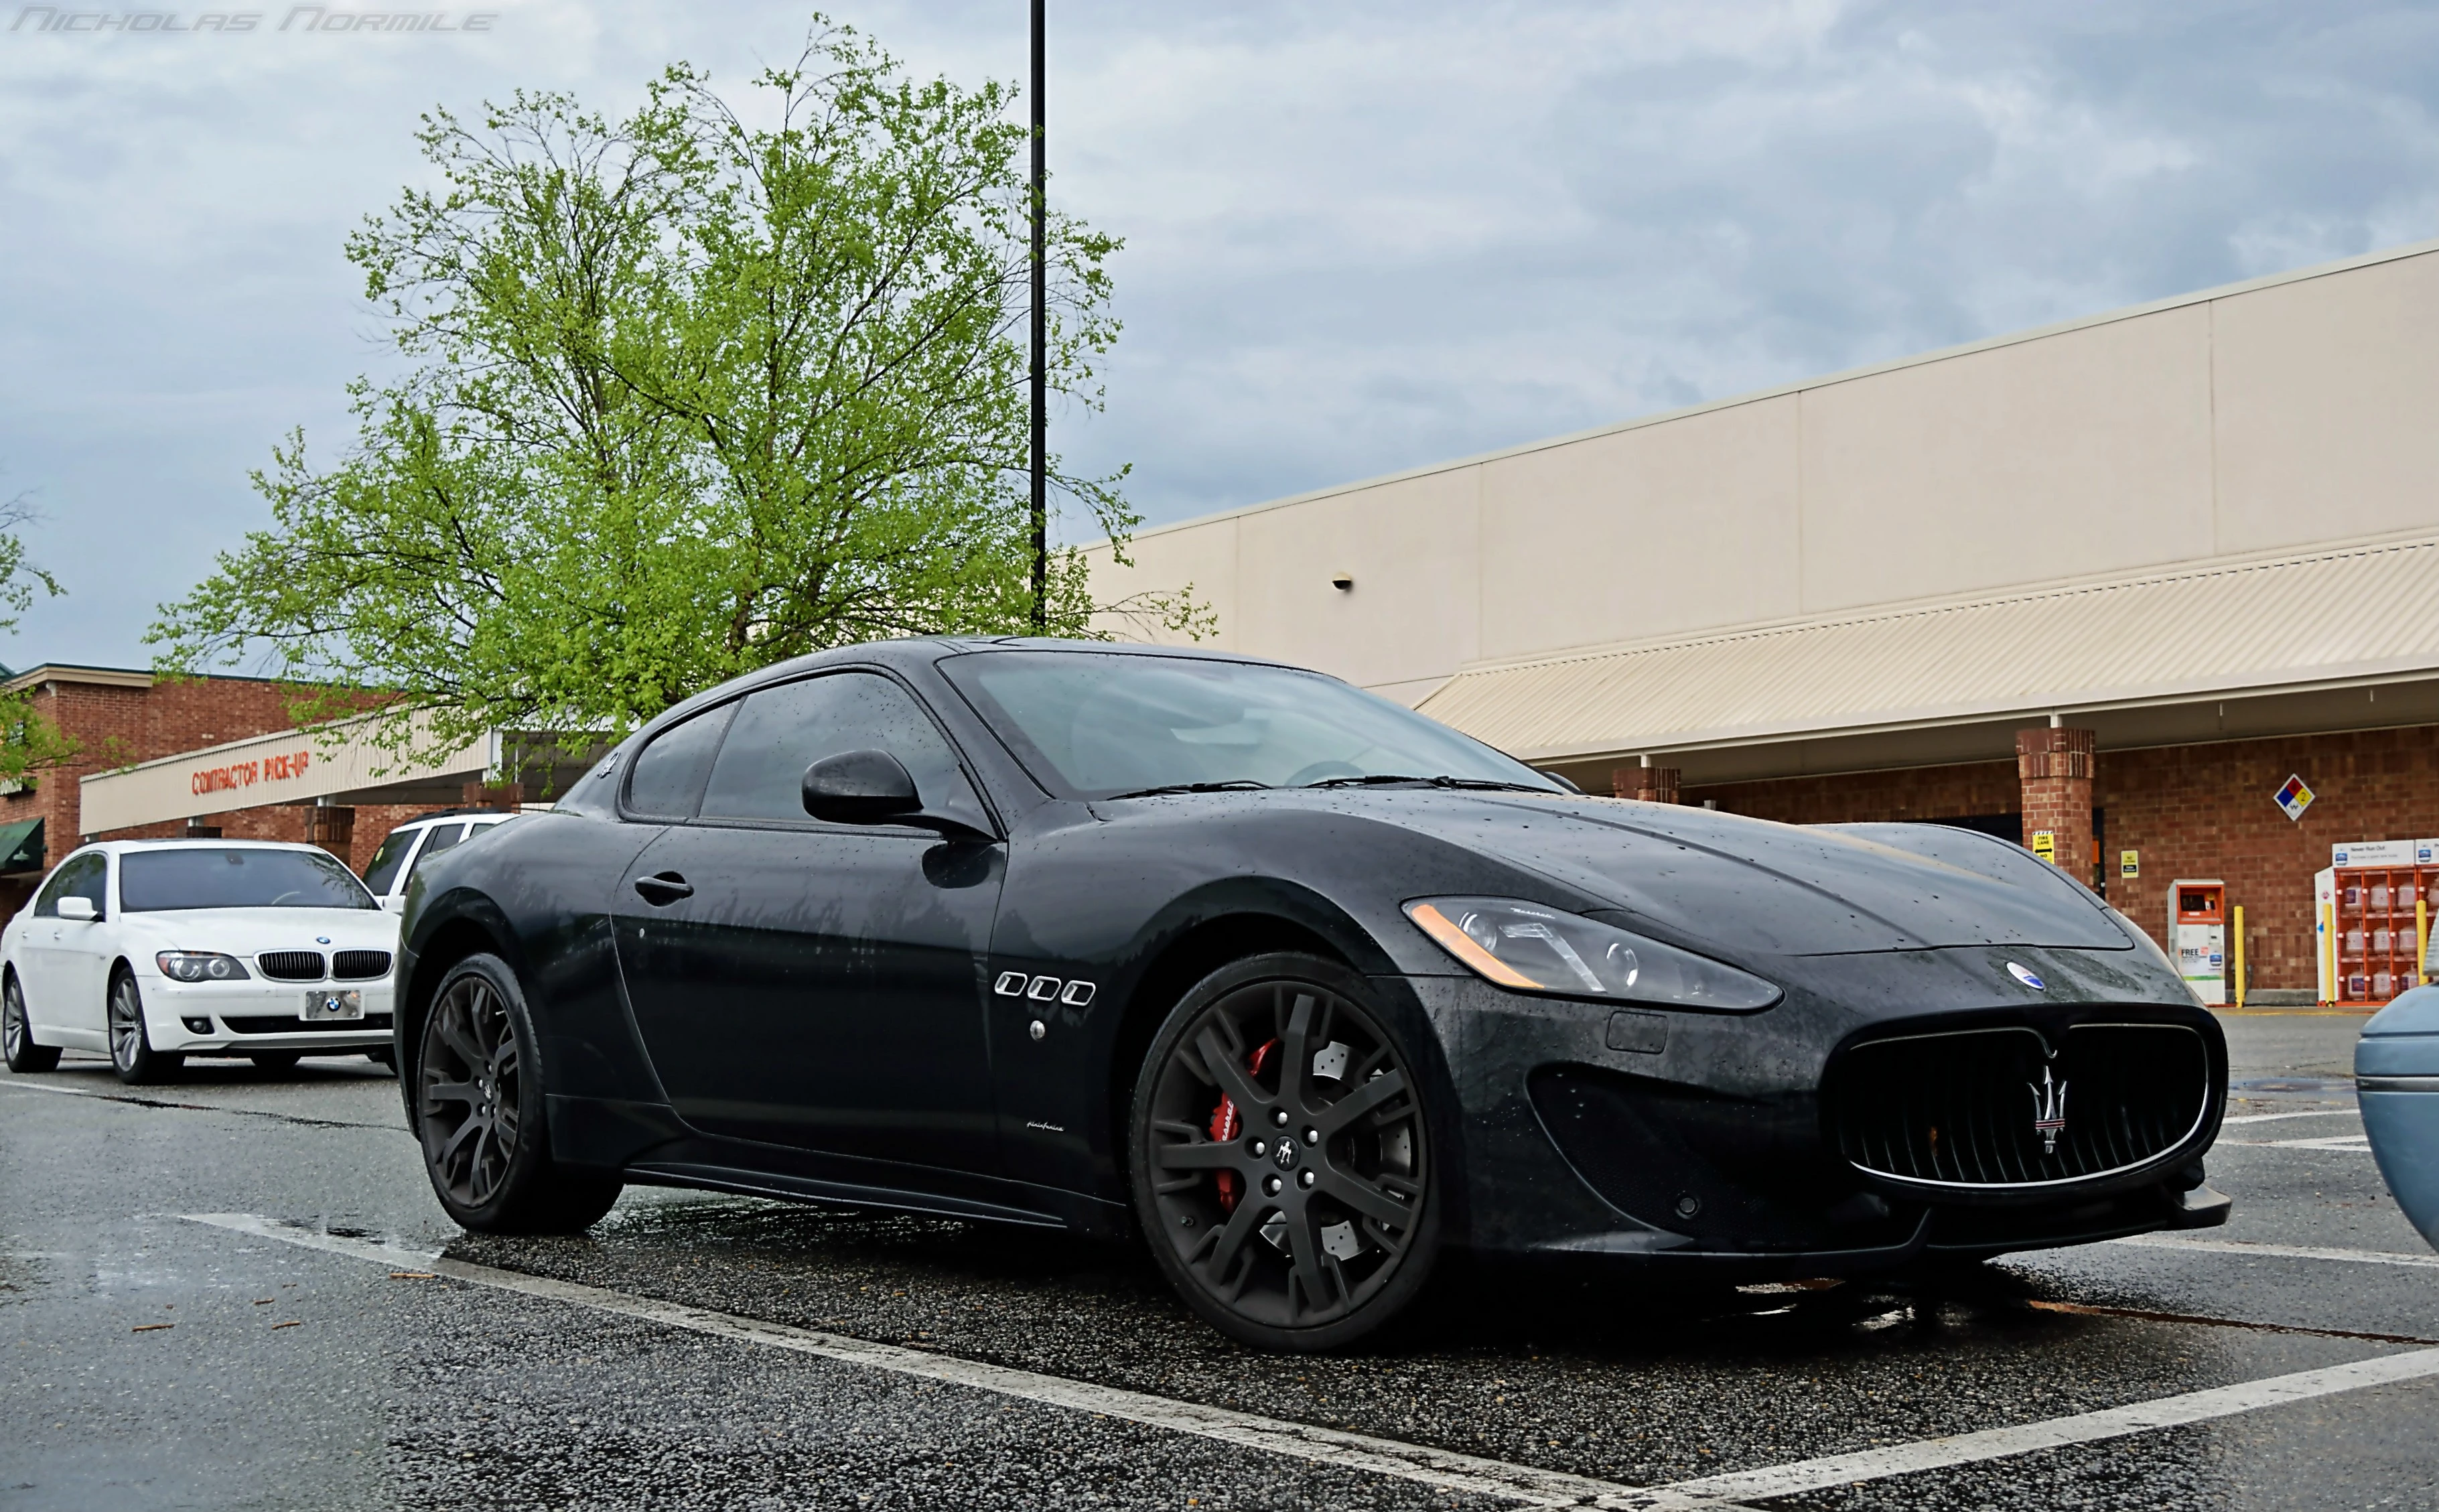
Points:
417	840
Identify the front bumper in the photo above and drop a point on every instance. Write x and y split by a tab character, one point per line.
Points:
1680	1138
238	1018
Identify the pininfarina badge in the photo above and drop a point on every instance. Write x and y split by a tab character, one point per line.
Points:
2027	977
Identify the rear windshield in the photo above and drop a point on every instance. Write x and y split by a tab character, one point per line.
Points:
154	880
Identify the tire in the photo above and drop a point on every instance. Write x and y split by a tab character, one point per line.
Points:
17	1033
1350	1234
274	1059
130	1042
478	1096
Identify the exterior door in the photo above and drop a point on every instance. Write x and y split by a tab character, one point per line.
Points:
61	961
811	984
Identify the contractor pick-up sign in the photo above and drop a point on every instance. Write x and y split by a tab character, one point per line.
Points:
345	763
284	767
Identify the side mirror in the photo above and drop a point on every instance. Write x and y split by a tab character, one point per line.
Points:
860	788
78	908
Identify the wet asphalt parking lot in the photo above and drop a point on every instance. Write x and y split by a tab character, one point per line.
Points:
327	1340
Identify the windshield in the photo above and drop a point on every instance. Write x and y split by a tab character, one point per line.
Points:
1099	725
154	880
384	870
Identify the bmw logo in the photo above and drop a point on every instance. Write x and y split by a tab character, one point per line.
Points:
2027	977
321	939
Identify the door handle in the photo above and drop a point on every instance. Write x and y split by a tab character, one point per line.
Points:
666	888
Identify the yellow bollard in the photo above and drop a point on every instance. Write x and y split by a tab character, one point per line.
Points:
2329	955
2421	937
2236	960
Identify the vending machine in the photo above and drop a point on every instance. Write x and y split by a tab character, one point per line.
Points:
2198	932
2374	909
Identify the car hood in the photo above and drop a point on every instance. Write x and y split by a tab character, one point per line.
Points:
247	930
1766	887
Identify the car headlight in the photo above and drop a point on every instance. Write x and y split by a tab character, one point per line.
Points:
200	965
1533	949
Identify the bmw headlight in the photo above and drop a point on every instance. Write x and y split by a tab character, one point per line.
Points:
200	965
1533	949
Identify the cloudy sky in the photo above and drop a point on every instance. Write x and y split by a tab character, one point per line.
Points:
1359	237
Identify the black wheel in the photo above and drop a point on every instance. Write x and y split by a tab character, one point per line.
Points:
1281	1154
130	1046
479	1110
274	1059
17	1033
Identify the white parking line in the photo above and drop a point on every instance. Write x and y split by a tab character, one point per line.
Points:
13	1084
1416	1463
2359	1144
2083	1428
2269	1118
1358	1452
2278	1252
136	1100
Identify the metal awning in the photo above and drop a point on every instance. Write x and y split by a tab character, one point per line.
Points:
289	766
2332	618
21	846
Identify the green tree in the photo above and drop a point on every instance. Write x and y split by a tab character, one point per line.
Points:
686	395
28	743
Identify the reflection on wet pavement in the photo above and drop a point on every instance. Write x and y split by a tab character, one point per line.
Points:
1596	1374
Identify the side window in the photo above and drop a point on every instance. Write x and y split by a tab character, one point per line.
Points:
442	837
46	902
667	779
780	731
86	876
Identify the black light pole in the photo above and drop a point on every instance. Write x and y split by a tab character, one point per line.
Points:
1040	347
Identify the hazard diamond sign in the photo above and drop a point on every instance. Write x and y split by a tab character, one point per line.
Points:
2294	797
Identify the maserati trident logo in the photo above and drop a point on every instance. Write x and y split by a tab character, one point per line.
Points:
2027	977
2049	1110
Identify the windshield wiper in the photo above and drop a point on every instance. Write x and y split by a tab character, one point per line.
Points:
1382	779
1232	785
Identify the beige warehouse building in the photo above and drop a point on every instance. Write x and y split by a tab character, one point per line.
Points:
2151	564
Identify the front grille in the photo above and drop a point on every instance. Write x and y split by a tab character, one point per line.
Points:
273	1026
354	966
1968	1109
291	965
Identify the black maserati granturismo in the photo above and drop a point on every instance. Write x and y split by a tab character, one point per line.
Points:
1294	984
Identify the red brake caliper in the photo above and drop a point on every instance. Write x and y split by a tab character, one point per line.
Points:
1227	1126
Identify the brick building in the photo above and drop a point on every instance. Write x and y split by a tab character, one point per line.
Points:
2105	586
218	756
2185	811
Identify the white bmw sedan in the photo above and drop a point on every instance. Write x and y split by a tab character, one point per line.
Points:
157	949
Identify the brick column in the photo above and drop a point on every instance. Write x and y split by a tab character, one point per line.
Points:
1644	784
476	794
332	827
2054	768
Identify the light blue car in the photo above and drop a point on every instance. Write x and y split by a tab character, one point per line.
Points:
2396	1078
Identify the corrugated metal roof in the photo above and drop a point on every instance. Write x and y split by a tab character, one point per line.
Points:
2327	615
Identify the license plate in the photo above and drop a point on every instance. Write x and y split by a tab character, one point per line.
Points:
333	1005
